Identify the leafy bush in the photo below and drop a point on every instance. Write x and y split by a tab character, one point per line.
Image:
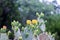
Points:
53	24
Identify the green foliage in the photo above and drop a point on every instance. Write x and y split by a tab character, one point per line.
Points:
9	11
28	9
53	24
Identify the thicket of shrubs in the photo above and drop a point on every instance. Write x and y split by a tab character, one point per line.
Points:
53	24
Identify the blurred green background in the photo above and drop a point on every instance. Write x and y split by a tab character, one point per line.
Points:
21	10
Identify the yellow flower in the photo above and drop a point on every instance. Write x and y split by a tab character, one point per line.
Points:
34	21
28	22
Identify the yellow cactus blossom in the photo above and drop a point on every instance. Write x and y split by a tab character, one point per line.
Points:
28	22
34	21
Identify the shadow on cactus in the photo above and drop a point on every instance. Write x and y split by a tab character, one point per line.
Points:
10	35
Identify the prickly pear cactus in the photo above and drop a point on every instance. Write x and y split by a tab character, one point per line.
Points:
17	34
27	34
3	36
